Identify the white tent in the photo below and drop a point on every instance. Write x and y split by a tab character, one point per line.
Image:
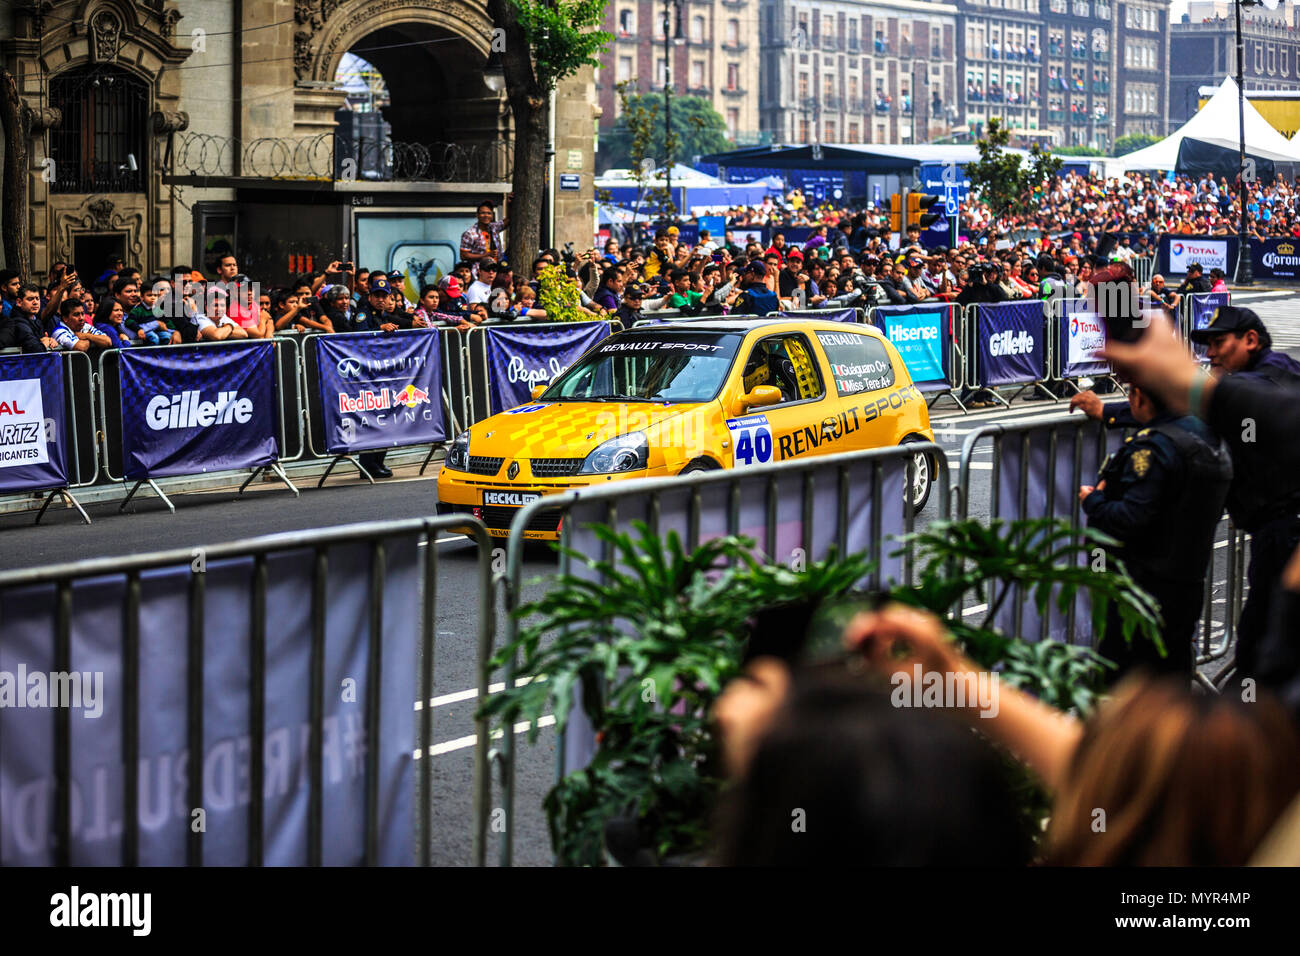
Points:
1218	124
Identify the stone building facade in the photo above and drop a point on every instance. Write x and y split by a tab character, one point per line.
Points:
178	128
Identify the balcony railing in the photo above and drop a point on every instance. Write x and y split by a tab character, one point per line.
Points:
328	157
737	47
1101	56
1056	116
733	91
833	103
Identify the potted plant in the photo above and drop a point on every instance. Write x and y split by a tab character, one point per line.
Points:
653	645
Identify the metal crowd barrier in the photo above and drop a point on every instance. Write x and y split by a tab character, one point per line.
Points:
974	377
651	496
1087	443
109	382
1144	267
68	589
957	350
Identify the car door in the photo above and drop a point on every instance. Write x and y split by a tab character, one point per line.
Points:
792	427
876	405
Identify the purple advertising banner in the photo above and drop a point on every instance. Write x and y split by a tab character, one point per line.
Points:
380	389
521	359
31	423
1010	343
186	411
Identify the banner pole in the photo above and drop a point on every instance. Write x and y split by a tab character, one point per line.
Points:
67	496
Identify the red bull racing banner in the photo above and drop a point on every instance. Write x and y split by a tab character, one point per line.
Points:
31	423
186	411
380	390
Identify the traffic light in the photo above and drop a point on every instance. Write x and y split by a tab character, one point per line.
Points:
917	204
895	213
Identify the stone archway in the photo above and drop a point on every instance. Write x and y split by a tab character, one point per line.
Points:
431	53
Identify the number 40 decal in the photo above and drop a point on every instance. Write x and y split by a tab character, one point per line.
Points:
753	439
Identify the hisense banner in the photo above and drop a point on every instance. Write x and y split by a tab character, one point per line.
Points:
31	423
380	389
186	411
922	335
521	359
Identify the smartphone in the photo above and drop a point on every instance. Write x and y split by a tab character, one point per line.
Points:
334	278
717	257
349	267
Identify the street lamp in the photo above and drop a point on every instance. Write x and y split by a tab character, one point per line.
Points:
494	74
668	97
1245	268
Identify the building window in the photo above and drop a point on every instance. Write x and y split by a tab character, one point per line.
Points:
105	115
854	133
733	121
697	74
697	29
626	22
733	33
733	76
661	72
624	69
830	133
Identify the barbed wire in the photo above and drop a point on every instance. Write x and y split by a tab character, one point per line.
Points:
334	158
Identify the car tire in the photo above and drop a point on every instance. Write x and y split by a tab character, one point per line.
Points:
923	476
698	465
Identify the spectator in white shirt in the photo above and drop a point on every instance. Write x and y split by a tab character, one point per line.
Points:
480	288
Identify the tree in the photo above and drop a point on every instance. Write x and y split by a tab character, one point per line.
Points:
1078	151
540	42
1133	142
15	121
639	120
697	129
1003	180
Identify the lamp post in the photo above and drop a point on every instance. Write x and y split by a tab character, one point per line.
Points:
1245	268
668	96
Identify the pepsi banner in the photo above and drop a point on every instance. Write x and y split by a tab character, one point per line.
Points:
190	410
1082	336
380	389
1010	343
838	315
31	423
923	336
519	360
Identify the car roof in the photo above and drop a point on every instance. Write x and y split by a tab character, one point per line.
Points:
749	325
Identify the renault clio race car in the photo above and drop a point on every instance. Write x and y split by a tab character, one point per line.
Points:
674	399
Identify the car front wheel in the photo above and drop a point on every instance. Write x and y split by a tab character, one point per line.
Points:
922	476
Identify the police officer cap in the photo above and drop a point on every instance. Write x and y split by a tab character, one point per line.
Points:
1229	318
379	283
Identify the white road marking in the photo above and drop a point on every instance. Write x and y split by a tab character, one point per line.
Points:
449	538
460	743
472	693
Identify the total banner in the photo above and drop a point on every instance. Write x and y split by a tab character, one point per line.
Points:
1082	336
923	336
95	687
520	359
31	423
1010	343
838	315
190	410
1177	252
380	389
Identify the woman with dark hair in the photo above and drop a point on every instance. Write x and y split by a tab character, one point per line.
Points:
1183	779
843	776
109	314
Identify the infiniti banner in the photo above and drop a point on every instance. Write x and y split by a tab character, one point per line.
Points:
921	335
190	411
1011	343
519	359
31	421
380	390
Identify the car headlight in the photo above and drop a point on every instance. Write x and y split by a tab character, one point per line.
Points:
458	454
623	453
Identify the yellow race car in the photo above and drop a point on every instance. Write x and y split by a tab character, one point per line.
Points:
678	398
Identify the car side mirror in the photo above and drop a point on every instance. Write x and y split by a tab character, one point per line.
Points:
761	396
537	391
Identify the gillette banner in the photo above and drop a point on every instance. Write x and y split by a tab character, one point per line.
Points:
380	389
1010	343
197	409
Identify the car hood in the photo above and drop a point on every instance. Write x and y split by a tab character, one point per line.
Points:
573	429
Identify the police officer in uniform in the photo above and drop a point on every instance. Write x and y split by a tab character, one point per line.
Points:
1264	499
1160	495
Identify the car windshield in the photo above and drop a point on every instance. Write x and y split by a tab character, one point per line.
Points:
650	367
